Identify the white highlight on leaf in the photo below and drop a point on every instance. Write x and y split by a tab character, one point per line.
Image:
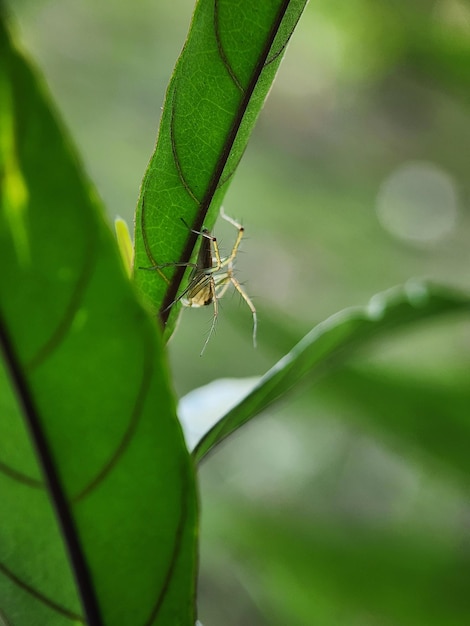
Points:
201	408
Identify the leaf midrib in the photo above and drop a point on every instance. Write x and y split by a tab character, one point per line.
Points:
198	222
69	532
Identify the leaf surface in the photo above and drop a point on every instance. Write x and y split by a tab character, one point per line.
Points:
95	478
218	87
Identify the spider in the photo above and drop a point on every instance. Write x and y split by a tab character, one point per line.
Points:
211	276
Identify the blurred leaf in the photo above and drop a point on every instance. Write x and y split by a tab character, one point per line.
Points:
83	368
330	343
431	416
218	87
307	573
438	45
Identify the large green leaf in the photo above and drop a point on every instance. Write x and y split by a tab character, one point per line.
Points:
331	342
218	87
106	488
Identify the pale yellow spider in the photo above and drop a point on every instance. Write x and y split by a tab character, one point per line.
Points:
211	276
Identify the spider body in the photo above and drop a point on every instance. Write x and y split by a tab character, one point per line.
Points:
200	291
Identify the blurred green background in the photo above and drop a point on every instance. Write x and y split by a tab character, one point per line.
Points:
356	179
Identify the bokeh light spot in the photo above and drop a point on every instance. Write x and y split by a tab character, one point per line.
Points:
418	203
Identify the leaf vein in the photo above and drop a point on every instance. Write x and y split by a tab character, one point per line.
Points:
277	54
131	428
20	477
175	552
174	151
51	604
221	50
65	323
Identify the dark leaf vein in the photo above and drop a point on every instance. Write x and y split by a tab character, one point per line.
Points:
143	216
132	425
221	50
20	477
174	150
51	604
278	53
175	552
225	178
65	323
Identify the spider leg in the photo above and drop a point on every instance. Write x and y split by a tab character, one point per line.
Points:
157	267
249	303
215	304
227	278
207	262
198	281
222	283
241	230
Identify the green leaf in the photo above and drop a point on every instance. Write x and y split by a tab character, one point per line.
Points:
218	87
343	574
330	343
96	484
427	415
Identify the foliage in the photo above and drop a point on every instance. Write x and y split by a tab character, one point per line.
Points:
99	502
